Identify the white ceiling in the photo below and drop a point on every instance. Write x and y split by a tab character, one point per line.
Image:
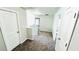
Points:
44	10
48	10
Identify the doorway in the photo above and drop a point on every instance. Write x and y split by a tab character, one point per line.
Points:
37	23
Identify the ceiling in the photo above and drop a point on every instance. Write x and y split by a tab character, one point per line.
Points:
44	10
48	10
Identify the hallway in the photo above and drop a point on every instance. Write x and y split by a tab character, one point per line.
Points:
43	42
20	26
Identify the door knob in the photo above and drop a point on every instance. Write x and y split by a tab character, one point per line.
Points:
59	38
74	15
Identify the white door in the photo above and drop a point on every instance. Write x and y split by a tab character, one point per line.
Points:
75	39
2	43
9	29
66	28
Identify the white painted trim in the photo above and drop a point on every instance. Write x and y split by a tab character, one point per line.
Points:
29	38
23	41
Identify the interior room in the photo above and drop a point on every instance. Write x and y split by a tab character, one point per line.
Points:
39	29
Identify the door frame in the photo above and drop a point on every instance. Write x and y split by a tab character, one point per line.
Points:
38	25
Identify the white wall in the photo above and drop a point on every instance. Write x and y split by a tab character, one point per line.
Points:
46	23
30	18
21	16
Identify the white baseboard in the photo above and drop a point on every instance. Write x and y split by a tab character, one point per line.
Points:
30	38
26	39
23	41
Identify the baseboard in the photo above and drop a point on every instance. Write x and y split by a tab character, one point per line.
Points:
29	38
23	41
45	31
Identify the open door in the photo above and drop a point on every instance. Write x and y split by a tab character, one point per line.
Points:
66	28
9	28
